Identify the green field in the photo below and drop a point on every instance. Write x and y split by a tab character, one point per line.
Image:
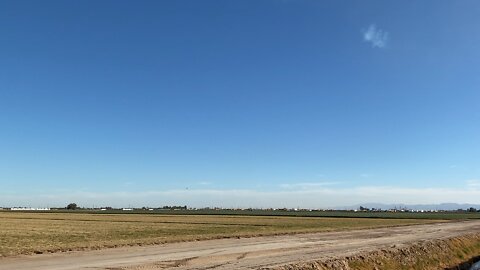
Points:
26	233
337	214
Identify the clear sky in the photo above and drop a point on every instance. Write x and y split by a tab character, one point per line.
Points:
239	103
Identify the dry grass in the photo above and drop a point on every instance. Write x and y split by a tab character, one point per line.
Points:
25	233
448	254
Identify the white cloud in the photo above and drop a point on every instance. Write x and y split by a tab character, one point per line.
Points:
375	36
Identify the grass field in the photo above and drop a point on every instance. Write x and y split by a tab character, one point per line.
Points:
26	233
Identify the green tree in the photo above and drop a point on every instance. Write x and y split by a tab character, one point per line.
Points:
72	206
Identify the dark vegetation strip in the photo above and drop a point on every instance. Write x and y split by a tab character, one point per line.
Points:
331	214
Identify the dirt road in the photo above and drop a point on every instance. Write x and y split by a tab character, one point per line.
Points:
246	253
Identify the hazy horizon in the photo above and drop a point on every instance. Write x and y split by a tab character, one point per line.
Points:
200	198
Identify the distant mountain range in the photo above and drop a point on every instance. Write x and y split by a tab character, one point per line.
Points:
442	206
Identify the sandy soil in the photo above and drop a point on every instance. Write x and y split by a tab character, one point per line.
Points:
245	253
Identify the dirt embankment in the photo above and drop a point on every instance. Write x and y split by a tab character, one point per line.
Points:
457	253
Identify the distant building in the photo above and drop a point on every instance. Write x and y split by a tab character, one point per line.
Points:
29	209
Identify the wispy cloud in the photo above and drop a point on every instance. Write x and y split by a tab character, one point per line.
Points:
375	36
204	183
474	183
307	185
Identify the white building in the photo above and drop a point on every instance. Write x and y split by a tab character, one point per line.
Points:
29	209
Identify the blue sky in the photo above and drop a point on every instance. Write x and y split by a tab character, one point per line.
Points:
239	103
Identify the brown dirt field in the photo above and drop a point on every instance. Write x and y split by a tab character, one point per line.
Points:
268	252
29	233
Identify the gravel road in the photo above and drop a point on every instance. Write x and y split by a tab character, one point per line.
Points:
245	253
